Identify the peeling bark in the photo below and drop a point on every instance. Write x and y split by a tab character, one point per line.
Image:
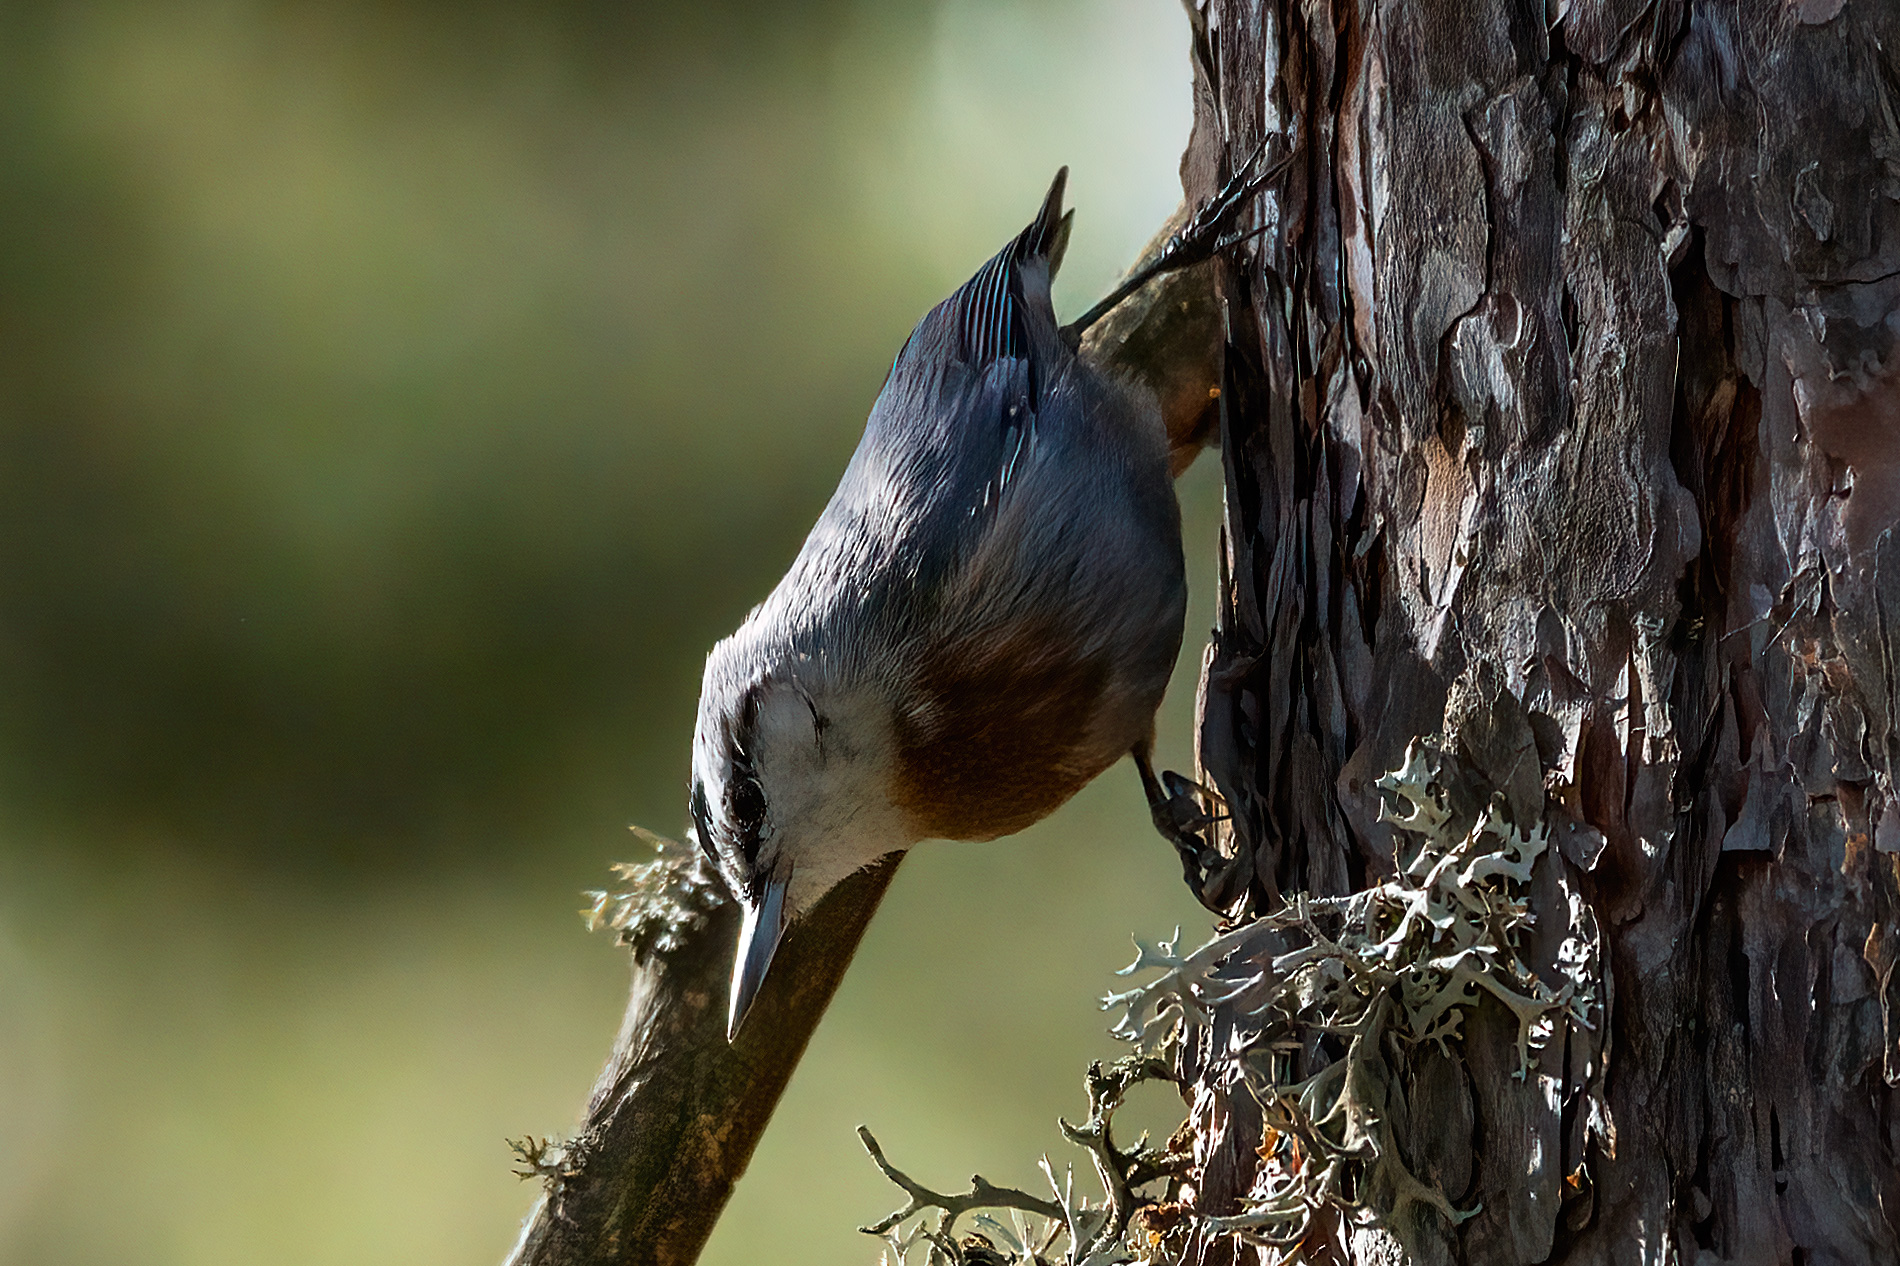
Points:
1562	414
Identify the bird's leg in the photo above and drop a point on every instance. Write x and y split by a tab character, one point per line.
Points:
1209	232
1174	804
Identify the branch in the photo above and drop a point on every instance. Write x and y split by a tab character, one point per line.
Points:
1167	340
677	1112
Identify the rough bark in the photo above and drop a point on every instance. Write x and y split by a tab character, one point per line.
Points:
677	1111
1566	372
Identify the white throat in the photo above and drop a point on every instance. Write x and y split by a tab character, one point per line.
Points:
828	781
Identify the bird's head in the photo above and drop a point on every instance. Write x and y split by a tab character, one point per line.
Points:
791	793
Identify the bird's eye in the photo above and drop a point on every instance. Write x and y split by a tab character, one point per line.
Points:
745	797
745	794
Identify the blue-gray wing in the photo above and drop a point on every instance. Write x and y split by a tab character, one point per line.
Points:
984	388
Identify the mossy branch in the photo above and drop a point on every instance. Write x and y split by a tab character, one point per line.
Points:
677	1111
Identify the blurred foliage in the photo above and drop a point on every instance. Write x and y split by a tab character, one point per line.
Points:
396	400
376	386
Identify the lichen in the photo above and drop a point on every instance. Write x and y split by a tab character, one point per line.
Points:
660	901
1313	1009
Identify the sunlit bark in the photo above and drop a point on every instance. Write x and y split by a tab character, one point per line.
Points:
1567	369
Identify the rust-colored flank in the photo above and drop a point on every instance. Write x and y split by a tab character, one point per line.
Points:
1002	738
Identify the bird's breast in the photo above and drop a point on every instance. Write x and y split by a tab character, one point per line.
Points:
998	736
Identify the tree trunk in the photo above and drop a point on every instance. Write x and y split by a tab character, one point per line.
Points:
1562	411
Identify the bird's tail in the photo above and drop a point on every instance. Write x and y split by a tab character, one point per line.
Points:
993	303
1047	236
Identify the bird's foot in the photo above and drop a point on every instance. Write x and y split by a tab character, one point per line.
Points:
1177	805
1208	232
1211	230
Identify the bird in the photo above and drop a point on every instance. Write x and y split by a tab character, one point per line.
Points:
983	619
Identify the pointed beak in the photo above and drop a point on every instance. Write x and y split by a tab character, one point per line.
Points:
758	940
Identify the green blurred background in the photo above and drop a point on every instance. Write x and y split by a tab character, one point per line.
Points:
396	400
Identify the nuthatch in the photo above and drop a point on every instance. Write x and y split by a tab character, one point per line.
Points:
984	618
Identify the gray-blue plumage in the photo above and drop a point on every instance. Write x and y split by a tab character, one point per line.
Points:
984	617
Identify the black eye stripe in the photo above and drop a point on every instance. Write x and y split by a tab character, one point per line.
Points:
745	794
746	798
702	822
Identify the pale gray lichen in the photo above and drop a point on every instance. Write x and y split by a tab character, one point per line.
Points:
660	902
1066	1227
1312	1009
1397	965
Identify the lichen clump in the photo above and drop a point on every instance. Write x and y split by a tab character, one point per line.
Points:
661	901
1309	1012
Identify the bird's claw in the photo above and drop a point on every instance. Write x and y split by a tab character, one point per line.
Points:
1205	235
1209	231
1175	803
